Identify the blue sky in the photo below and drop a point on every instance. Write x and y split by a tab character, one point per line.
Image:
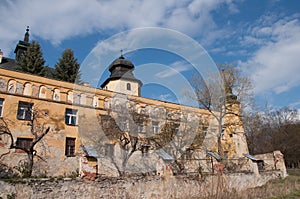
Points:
262	37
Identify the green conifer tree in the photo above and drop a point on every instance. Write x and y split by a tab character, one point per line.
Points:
32	61
67	68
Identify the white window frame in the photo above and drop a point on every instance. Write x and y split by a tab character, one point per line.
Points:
71	114
155	127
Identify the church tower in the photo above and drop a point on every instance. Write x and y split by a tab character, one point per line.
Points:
22	45
121	78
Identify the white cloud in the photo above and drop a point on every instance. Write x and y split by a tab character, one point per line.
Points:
175	69
165	97
275	65
60	20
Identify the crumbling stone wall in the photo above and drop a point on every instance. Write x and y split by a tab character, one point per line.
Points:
135	187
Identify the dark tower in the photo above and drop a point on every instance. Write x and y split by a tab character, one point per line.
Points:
22	45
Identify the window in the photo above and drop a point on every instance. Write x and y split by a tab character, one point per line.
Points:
1	106
24	143
177	130
70	147
204	130
141	127
188	154
42	93
56	95
128	86
24	111
145	151
155	128
223	137
71	117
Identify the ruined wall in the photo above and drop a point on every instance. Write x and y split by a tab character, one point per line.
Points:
273	161
138	187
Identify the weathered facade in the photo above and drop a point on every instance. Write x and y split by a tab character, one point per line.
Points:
112	131
77	139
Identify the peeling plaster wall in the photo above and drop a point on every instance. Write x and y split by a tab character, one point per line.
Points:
273	161
90	103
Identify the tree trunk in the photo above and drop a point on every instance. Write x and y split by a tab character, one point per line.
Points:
29	164
220	128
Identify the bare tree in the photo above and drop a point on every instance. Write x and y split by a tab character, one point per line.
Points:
38	130
272	130
218	96
128	140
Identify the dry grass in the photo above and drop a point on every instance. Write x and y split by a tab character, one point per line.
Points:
275	189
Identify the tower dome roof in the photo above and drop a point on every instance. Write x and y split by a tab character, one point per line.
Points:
122	62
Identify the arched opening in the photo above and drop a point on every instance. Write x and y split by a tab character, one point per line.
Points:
128	86
27	89
56	94
11	87
42	93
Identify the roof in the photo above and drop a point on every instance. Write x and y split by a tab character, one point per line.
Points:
121	61
8	63
214	154
11	64
251	157
164	155
121	69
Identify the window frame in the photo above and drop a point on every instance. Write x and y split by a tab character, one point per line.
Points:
155	127
141	127
145	150
70	115
24	143
1	107
22	113
128	86
70	147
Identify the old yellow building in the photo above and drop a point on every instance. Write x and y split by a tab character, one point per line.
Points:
105	131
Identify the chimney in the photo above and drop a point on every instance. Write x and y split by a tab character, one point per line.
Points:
1	55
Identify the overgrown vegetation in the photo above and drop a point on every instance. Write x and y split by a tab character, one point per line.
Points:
271	130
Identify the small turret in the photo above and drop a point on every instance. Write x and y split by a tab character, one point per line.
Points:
22	45
121	78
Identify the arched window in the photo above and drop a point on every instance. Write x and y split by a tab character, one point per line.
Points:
128	86
70	97
27	89
42	93
11	87
56	94
83	99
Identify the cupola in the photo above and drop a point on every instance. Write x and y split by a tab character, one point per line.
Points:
122	79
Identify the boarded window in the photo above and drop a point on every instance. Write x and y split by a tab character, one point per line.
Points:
24	143
70	147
